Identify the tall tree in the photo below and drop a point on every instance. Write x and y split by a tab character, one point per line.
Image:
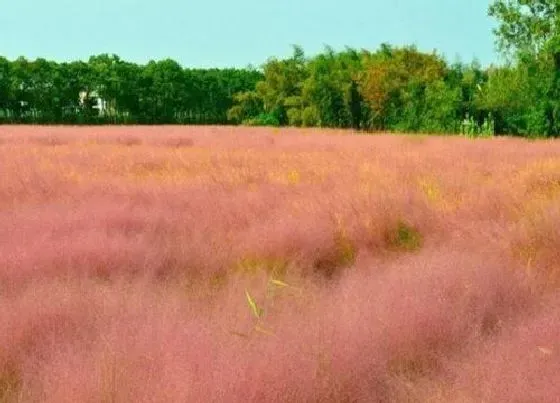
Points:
330	89
281	87
5	90
526	25
394	82
530	31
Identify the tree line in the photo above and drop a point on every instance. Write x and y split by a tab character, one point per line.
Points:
389	89
109	90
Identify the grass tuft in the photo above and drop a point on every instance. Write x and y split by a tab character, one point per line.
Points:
405	238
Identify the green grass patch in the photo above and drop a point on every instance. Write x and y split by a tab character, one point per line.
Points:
405	238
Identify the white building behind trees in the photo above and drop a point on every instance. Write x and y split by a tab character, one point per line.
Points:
97	102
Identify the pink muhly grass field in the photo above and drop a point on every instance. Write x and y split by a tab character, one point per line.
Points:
216	264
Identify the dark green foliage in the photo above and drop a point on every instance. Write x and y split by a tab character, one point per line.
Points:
529	99
404	237
399	89
158	93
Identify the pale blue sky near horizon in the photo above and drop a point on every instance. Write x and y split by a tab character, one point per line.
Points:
222	33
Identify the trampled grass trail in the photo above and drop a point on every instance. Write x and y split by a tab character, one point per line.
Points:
208	264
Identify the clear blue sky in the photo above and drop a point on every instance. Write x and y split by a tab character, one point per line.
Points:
224	33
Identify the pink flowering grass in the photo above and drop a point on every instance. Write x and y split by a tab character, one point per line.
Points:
212	264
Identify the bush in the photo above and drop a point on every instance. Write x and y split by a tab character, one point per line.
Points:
264	119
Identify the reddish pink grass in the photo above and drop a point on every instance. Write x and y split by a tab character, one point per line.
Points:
419	268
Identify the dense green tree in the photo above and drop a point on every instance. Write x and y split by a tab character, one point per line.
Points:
526	25
442	108
6	99
281	87
394	83
330	91
20	88
529	32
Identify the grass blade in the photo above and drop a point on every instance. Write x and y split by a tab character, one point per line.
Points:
253	305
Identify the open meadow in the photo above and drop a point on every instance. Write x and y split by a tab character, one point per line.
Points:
222	264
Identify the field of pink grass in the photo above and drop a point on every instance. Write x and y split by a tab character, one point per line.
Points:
219	264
